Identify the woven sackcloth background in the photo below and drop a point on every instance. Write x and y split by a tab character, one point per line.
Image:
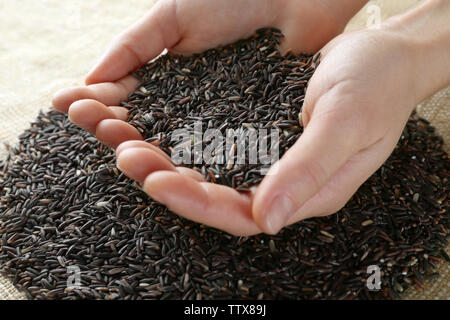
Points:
51	44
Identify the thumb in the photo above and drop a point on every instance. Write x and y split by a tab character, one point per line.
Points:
328	141
137	45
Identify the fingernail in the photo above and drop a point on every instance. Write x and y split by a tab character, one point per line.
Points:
120	148
117	165
278	213
118	161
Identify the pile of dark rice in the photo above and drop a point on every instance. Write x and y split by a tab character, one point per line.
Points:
63	203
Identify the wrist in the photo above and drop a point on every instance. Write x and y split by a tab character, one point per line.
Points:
425	33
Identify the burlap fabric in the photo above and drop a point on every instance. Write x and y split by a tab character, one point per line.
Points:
47	45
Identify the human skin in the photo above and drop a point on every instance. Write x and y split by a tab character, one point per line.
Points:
356	106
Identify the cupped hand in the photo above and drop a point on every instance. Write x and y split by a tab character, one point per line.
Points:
185	26
356	107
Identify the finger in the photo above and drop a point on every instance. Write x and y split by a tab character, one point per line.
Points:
197	176
108	93
141	144
323	148
344	183
215	205
139	158
113	132
138	163
88	113
139	44
121	113
151	146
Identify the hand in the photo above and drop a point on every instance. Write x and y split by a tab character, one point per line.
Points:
356	106
187	26
355	109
